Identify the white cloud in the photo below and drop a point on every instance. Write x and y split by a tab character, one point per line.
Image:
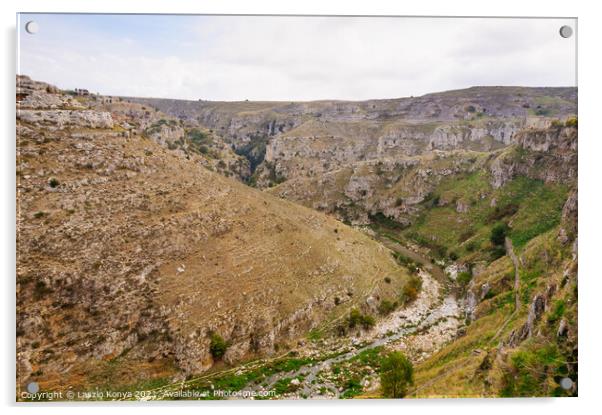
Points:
303	58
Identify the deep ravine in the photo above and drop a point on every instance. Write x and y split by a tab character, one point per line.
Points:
419	330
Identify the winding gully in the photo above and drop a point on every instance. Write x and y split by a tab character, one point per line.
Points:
419	330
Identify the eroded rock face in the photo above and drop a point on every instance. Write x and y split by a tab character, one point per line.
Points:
61	119
167	134
536	309
539	304
311	138
42	104
395	188
36	95
568	224
558	139
563	328
549	155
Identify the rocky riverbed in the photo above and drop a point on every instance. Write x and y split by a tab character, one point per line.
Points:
418	330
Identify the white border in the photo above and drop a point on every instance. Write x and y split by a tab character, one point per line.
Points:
590	201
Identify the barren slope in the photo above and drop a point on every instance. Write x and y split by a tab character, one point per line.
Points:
131	253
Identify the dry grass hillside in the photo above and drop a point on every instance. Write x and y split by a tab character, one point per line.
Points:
131	257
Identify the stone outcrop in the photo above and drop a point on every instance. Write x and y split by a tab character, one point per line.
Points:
568	224
166	134
539	304
43	104
549	154
60	119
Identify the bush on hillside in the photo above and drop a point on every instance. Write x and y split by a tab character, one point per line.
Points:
218	346
498	234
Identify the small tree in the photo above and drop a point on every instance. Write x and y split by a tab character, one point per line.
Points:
396	374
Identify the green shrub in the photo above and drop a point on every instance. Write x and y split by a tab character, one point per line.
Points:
383	220
396	374
40	290
369	357
53	183
356	318
385	307
557	312
501	212
314	335
218	346
254	150
368	322
282	386
406	262
471	246
571	122
556	123
533	370
464	278
353	387
498	233
198	137
410	290
497	252
467	234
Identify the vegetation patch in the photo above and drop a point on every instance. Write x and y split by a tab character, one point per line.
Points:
396	375
411	289
521	209
536	371
218	346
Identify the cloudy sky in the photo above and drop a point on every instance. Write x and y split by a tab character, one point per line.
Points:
291	58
